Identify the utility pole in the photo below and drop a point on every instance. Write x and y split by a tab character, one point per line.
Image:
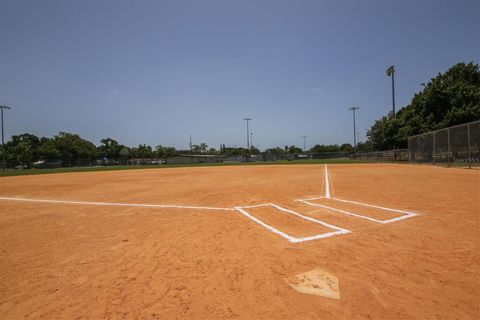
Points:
251	140
248	139
354	128
191	157
190	143
304	143
3	141
391	73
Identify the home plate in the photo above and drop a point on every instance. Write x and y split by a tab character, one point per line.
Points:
317	282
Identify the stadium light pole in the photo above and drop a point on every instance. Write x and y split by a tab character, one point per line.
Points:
248	138
304	143
391	73
354	128
251	140
3	141
190	143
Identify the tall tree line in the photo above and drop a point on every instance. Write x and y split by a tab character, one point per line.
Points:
72	150
449	99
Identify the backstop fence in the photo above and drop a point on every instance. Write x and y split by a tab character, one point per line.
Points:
453	146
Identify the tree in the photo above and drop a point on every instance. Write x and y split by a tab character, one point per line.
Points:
170	152
234	151
319	148
364	146
448	99
275	151
125	154
144	151
213	151
346	147
293	150
24	153
203	147
74	150
48	150
160	151
109	148
254	150
200	149
196	149
22	149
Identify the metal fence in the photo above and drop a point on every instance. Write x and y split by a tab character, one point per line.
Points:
454	146
397	155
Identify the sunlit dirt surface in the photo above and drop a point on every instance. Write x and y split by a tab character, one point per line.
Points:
108	262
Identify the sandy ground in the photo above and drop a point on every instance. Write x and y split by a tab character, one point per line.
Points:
100	262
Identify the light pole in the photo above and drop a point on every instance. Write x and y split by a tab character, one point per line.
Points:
190	144
3	141
391	73
248	139
251	140
304	143
354	128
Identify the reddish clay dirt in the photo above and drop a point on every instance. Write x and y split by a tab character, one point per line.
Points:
99	262
292	225
369	212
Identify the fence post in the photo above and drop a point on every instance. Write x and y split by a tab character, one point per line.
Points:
468	147
433	153
448	146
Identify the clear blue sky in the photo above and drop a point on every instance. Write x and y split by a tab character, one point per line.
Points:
154	71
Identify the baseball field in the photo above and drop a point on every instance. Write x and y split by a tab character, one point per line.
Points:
343	241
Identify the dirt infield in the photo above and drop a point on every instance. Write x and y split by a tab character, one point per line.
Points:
105	255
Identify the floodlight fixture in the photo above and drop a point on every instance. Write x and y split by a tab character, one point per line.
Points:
391	73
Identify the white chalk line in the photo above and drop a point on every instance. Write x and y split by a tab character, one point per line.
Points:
373	206
239	209
327	183
405	214
162	206
269	227
287	236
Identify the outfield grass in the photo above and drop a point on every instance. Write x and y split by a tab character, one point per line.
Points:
13	172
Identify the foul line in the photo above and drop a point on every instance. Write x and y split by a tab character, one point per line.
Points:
327	184
163	206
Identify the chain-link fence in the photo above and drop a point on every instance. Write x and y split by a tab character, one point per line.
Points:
458	145
397	155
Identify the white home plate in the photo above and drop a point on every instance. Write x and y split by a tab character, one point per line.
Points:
317	282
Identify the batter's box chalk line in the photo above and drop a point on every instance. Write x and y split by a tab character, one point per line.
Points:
338	230
405	214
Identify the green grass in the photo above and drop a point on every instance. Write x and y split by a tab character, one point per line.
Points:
13	172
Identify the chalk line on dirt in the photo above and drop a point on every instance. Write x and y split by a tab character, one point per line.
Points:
290	238
90	203
405	214
242	210
327	183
